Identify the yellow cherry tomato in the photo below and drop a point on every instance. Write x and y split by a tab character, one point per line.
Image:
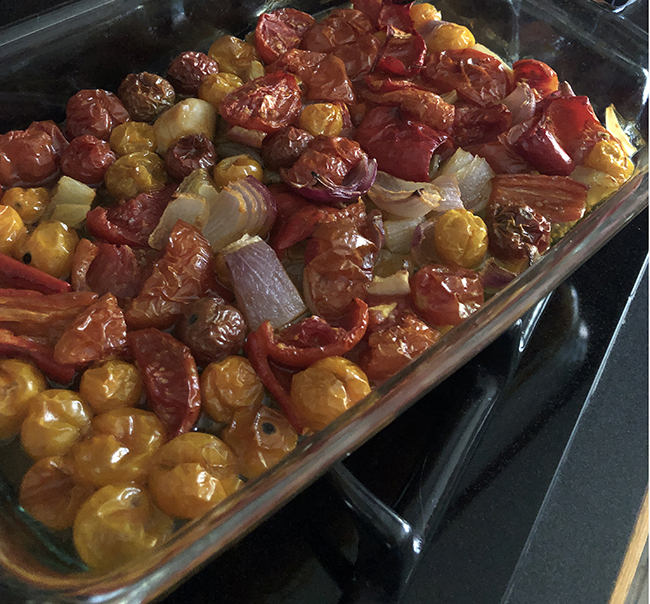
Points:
237	167
29	203
322	118
12	229
609	157
460	238
450	36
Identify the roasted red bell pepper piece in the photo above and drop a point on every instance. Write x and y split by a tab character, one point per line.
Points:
13	346
16	275
541	149
40	315
256	349
96	333
396	15
169	377
314	339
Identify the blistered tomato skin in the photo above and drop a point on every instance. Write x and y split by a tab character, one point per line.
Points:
212	329
322	119
446	296
51	493
131	137
237	57
230	385
135	173
260	438
216	86
517	232
55	421
237	167
49	247
119	523
281	150
94	112
188	70
170	378
120	448
268	103
111	385
146	95
280	31
189	153
12	229
460	238
29	203
192	473
30	158
86	159
19	382
320	393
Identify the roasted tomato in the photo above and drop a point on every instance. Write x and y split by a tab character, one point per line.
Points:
30	157
268	103
342	26
393	345
516	232
477	77
446	296
279	31
323	75
94	112
97	333
539	76
479	125
328	157
169	377
183	274
281	150
402	146
359	56
403	53
131	222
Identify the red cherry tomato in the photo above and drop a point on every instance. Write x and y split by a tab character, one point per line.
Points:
539	76
30	158
268	103
446	296
342	26
359	56
183	274
396	15
169	377
86	159
280	31
402	147
477	77
94	112
132	222
97	333
477	125
403	53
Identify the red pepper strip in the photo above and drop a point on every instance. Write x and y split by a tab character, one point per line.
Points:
13	346
16	275
295	356
257	353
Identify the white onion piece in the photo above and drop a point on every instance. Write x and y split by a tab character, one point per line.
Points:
521	102
396	284
474	177
448	185
244	207
262	287
399	234
191	116
404	198
184	206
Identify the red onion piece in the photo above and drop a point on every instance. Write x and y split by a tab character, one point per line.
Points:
262	287
521	102
322	190
495	277
422	245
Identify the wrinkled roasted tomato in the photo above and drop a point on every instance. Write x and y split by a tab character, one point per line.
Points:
344	191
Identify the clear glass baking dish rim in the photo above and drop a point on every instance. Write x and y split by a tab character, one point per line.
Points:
197	541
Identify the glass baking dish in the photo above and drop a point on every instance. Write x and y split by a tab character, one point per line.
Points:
93	44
